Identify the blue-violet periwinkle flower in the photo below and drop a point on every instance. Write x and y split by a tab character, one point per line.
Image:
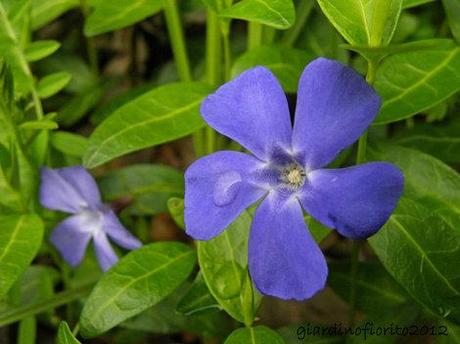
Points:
73	190
335	105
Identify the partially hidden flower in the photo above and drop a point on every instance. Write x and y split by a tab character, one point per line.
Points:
73	190
335	105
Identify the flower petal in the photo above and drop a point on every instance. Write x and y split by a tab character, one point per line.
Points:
69	189
357	200
335	105
118	233
217	190
71	238
251	109
104	252
284	260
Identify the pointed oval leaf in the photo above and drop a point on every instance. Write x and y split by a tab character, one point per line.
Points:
363	22
69	143
138	281
20	239
254	335
65	335
40	49
52	84
279	14
45	11
412	82
116	14
452	9
198	299
163	114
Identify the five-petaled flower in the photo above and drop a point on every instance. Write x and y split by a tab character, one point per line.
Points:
73	190
335	105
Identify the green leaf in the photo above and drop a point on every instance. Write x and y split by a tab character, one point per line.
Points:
418	247
413	3
20	239
412	82
44	11
147	186
52	84
279	14
65	335
44	124
69	143
363	22
40	49
163	114
198	299
113	15
176	209
422	170
452	8
138	281
286	63
223	261
254	335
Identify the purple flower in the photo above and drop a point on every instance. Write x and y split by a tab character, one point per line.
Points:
73	190
335	105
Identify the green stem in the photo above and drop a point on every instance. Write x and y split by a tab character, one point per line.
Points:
303	12
90	45
356	245
176	36
255	34
37	103
62	298
227	55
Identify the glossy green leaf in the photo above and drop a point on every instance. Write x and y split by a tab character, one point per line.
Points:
279	14
412	82
418	247
223	261
138	281
52	84
176	209
254	335
198	299
422	170
69	143
20	239
146	187
40	49
452	8
113	15
413	3
363	22
286	63
163	114
45	11
65	335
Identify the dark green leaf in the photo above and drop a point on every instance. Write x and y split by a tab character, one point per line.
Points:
65	335
52	84
40	49
279	14
176	209
286	63
198	299
367	23
138	281
223	261
452	8
116	14
148	187
254	335
69	143
163	114
44	11
415	81
20	239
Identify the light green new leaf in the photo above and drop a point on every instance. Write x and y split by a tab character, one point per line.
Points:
254	335
418	247
412	82
452	8
69	143
138	281
176	209
147	186
44	124
40	49
286	63
44	11
413	3
363	22
116	14
20	239
163	114
65	335
52	84
223	261
279	14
